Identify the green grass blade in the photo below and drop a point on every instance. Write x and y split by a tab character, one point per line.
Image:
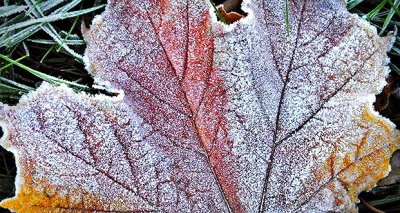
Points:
369	16
287	17
10	64
395	7
69	33
390	14
46	54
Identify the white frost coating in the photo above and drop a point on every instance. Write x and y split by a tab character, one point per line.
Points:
323	99
115	158
96	145
212	118
96	22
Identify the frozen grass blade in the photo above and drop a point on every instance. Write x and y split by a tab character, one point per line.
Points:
395	68
49	4
31	8
396	51
16	84
353	3
66	7
10	41
47	19
381	21
10	10
18	18
43	76
11	33
26	49
49	29
53	33
52	42
4	88
70	35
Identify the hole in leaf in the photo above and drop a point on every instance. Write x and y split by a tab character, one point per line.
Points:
230	10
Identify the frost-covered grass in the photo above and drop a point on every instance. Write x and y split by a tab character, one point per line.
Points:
42	40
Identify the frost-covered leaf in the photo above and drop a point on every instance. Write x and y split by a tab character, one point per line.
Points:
394	176
210	118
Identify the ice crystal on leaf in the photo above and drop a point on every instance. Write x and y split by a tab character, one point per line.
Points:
210	118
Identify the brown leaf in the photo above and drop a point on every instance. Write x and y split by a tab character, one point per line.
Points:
232	5
209	118
383	99
230	17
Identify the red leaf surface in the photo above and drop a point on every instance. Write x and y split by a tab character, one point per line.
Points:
210	118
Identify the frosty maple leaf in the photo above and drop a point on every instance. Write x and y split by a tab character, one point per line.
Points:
209	118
